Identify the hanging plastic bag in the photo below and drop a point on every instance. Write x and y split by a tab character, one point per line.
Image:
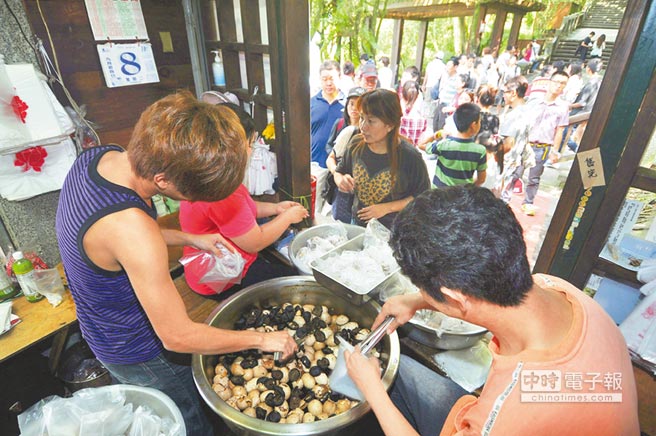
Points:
262	169
216	272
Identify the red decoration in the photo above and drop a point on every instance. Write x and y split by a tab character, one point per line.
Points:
33	257
20	108
33	158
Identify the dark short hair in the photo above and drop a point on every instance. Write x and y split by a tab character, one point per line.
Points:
414	72
348	68
455	60
465	239
559	65
465	115
594	65
559	73
246	121
329	65
574	68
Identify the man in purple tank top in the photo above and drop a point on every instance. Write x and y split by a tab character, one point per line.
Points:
115	256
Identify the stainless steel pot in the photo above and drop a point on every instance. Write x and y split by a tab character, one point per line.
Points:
301	290
446	340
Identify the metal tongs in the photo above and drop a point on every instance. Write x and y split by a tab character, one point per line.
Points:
277	355
374	337
339	379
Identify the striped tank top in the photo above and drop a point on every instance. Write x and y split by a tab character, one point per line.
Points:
111	318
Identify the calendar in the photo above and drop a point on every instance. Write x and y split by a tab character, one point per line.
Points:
128	64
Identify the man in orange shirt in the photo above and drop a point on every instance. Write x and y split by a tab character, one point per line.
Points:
560	364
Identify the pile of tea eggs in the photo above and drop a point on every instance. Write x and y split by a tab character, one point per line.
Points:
295	391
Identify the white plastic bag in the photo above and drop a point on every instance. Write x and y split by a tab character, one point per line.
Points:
468	367
262	169
376	234
103	411
214	271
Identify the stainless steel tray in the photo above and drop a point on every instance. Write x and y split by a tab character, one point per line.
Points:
301	239
356	297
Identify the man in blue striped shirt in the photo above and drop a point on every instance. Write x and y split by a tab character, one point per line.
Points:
115	254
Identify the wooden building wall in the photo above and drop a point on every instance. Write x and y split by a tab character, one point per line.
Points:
114	110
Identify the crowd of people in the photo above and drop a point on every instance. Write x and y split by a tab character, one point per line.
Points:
459	243
523	106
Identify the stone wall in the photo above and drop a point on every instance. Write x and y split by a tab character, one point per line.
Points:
28	224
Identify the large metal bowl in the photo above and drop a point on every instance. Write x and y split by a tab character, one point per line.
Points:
302	237
445	340
302	290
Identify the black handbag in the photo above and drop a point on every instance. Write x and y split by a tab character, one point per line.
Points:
329	189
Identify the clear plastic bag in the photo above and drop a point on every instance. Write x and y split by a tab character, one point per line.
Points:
49	284
214	271
376	234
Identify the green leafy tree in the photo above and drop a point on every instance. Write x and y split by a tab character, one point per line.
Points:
343	29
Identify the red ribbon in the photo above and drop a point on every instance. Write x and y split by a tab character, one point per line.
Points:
20	108
33	158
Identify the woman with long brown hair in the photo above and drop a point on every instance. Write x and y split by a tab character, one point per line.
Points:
598	47
384	171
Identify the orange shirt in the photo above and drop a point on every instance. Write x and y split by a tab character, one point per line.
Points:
559	391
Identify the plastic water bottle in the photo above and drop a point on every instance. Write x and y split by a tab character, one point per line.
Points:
217	69
7	289
24	271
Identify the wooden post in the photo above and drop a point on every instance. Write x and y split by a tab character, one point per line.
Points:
421	44
397	39
497	30
514	30
228	34
250	12
474	30
288	38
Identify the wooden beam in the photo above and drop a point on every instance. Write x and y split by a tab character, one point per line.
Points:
430	11
397	39
288	36
421	44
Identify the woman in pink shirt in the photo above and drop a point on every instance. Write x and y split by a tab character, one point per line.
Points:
235	218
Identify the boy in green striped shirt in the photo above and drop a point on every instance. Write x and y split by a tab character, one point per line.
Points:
458	156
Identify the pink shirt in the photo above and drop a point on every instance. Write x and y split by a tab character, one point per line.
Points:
231	217
591	360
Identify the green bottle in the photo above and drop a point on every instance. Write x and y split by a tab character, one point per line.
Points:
24	271
7	289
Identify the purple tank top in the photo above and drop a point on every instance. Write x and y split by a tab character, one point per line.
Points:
111	318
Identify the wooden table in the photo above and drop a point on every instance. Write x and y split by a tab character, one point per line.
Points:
39	321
